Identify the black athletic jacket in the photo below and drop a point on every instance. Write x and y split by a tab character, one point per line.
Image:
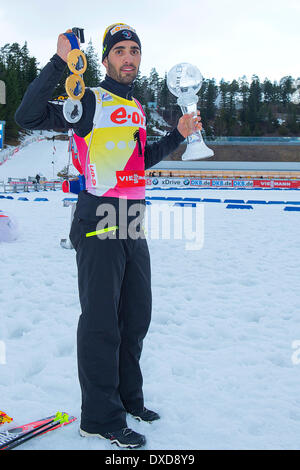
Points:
38	112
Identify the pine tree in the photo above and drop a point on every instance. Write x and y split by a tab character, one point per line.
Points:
292	123
269	91
18	69
286	89
13	99
92	75
227	119
167	102
153	84
254	105
211	95
244	94
164	93
139	89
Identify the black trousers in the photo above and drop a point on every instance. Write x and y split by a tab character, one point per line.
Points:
114	281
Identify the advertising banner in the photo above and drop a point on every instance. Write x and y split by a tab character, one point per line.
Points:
193	183
277	184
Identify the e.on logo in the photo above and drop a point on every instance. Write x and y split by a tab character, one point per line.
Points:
120	116
93	174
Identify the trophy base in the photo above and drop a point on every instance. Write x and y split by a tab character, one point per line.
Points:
197	151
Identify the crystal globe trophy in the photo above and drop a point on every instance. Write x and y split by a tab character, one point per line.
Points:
184	81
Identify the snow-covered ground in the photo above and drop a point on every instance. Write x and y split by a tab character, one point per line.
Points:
37	158
221	359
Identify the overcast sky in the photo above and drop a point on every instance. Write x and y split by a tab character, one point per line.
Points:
225	39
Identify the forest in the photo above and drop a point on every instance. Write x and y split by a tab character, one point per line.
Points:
239	107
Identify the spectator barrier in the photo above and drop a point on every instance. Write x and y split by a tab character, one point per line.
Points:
28	186
159	183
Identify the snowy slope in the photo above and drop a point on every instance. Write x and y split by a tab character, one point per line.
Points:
218	359
37	158
157	118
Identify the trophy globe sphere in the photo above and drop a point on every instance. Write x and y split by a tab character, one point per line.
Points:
184	78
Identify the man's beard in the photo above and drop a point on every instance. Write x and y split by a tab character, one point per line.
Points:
122	77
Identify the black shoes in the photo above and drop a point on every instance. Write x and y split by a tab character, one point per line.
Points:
126	438
145	415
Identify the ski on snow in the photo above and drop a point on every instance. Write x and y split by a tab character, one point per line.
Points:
16	436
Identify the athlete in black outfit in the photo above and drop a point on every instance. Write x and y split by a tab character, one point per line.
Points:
114	276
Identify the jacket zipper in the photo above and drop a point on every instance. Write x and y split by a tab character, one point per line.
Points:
138	139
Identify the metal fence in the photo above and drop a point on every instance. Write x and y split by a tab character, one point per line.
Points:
28	186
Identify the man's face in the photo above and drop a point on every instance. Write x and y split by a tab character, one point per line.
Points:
123	61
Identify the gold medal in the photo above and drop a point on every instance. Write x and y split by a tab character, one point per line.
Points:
77	62
75	87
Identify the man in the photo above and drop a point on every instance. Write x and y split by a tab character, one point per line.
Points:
114	275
